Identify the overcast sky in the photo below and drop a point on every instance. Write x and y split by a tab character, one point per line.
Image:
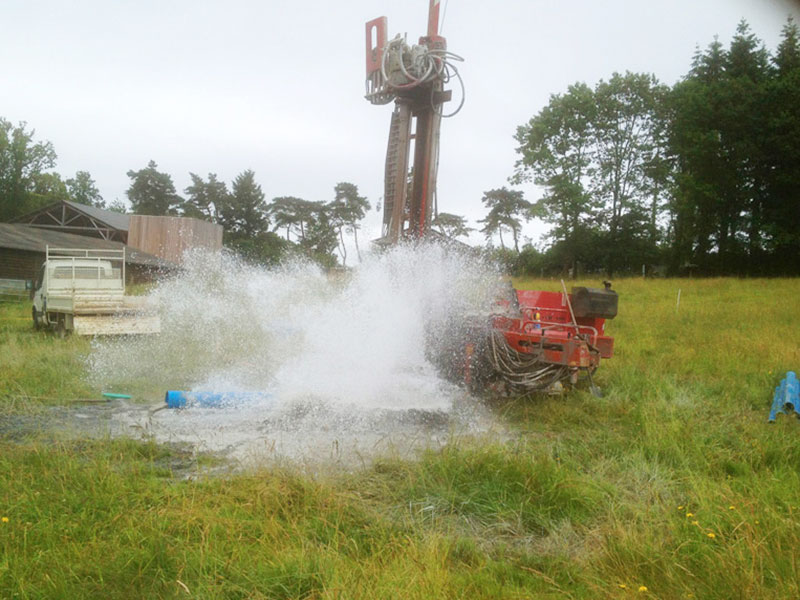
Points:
278	87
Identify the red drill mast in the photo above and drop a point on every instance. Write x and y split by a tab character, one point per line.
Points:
537	340
414	77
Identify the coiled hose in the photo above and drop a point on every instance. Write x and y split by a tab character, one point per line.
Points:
523	372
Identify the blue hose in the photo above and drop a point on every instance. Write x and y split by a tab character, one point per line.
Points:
179	399
787	397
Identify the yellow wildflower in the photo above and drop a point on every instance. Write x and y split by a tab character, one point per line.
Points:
711	535
731	507
689	515
680	508
623	586
695	522
4	519
642	588
756	521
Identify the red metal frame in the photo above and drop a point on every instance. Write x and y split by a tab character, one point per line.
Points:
553	332
433	18
418	106
374	51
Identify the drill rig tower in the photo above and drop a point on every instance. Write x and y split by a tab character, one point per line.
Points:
414	77
537	338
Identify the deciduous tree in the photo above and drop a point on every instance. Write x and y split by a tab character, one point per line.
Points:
555	149
626	126
22	161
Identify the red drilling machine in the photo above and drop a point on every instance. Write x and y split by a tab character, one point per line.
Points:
534	340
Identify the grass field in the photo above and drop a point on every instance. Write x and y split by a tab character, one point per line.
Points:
670	486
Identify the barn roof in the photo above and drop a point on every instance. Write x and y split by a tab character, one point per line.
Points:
73	217
18	236
114	219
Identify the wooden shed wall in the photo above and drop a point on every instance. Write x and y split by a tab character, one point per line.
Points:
170	237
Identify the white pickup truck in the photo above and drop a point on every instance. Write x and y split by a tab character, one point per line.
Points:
83	291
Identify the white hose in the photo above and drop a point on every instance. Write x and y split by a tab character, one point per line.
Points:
438	64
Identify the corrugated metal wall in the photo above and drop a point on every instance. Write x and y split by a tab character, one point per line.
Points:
170	237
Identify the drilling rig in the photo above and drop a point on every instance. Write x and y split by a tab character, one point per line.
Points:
414	78
533	340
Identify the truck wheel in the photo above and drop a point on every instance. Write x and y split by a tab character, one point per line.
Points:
36	324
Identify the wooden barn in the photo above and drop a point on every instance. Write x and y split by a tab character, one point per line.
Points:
79	219
164	237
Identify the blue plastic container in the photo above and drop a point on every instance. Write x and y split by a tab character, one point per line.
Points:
180	399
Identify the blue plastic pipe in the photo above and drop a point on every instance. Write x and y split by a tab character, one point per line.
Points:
179	399
787	397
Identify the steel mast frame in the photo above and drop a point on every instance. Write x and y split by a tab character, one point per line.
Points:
417	116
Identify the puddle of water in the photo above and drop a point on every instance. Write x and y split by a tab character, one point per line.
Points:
312	435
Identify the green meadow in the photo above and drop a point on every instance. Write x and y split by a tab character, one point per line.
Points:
672	485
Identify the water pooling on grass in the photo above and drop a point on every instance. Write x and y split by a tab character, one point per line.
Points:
339	361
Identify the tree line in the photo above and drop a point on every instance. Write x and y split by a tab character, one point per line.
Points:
315	229
26	182
700	177
262	231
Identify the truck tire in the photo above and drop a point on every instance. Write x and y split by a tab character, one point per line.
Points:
36	324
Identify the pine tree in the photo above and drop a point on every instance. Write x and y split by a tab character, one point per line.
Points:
506	207
152	192
787	57
352	209
452	226
82	189
205	199
245	214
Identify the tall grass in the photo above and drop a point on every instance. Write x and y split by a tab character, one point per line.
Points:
38	363
673	482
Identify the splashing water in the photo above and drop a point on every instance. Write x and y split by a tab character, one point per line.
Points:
340	359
